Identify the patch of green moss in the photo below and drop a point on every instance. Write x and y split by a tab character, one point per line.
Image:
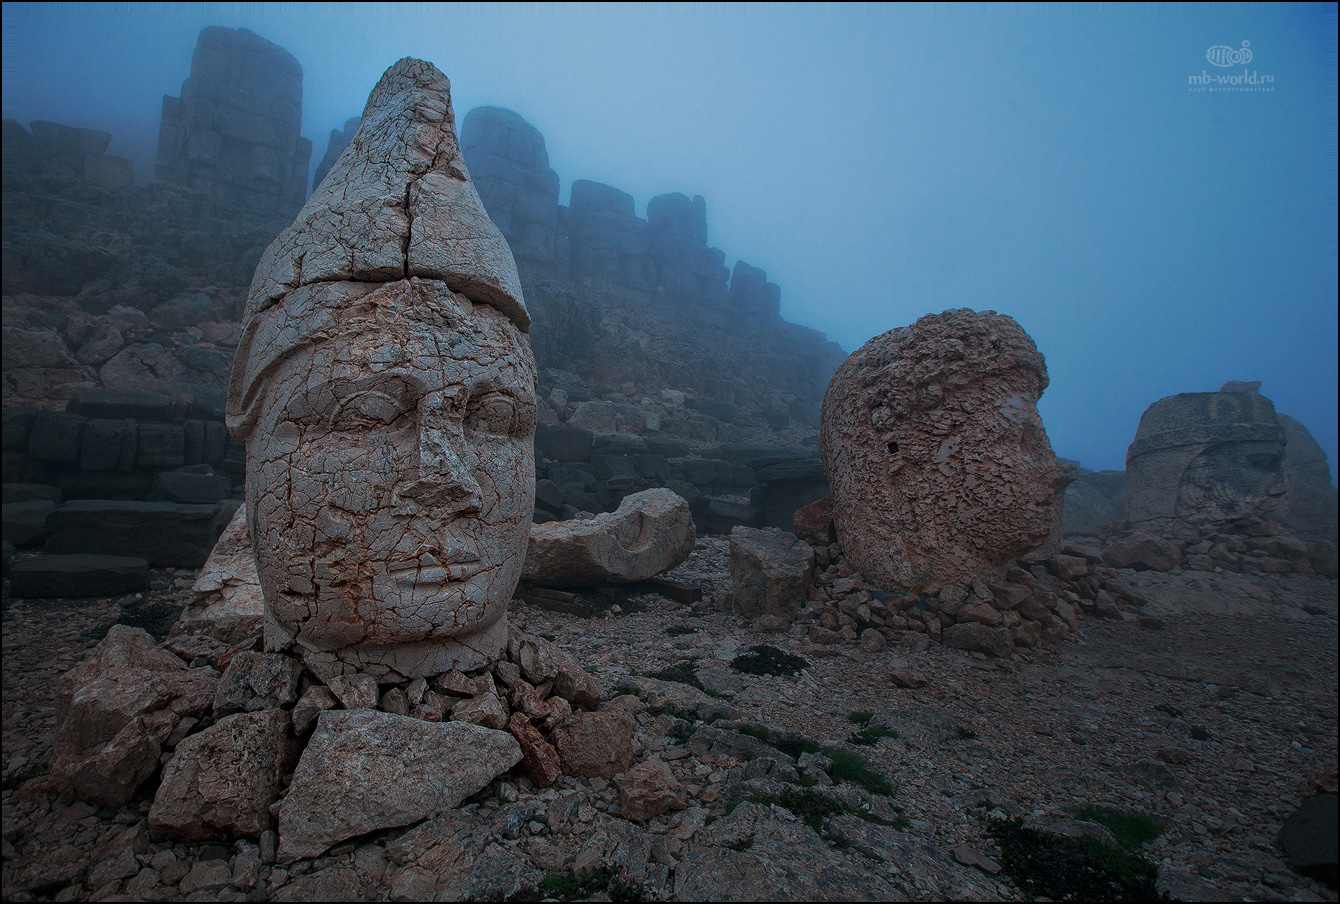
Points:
1072	869
681	673
850	767
762	659
1130	829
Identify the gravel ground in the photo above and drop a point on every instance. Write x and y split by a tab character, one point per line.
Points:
1221	722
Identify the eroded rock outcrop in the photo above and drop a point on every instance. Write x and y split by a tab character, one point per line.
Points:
940	467
1308	509
236	129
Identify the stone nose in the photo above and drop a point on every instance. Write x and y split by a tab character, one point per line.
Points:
445	482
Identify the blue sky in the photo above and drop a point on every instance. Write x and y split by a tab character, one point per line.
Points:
880	162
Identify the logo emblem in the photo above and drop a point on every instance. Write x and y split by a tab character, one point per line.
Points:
1222	56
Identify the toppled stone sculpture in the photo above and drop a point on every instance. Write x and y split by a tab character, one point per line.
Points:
236	130
1205	461
650	532
939	464
384	389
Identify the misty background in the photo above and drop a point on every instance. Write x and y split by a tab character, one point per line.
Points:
880	163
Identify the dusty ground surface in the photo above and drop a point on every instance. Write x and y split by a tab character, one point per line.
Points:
1215	722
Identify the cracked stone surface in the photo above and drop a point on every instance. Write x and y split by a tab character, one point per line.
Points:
385	389
940	468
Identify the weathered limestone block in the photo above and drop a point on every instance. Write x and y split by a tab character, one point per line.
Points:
770	572
595	744
384	388
685	266
1205	460
650	532
751	295
220	783
367	770
610	246
940	467
339	140
510	167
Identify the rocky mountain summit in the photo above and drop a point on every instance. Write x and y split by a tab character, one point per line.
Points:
538	589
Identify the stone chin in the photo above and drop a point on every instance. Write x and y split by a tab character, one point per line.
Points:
410	637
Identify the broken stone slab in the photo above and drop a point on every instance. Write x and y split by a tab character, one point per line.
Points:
649	789
924	870
594	744
979	638
651	531
257	681
115	709
221	781
365	770
77	576
1143	551
538	756
25	523
457	857
1309	840
676	698
770	572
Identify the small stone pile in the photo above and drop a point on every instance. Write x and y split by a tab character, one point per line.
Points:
245	739
1038	602
1246	547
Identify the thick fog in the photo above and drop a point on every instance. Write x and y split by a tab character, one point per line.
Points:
1061	165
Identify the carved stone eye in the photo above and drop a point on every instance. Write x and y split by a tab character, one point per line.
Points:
494	414
368	409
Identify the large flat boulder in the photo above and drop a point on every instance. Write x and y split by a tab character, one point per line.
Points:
365	770
77	576
167	534
25	523
650	532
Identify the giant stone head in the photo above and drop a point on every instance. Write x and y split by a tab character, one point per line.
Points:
384	388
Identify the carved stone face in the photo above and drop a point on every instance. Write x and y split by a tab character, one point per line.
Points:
391	481
940	468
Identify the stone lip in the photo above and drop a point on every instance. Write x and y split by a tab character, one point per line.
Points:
398	203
